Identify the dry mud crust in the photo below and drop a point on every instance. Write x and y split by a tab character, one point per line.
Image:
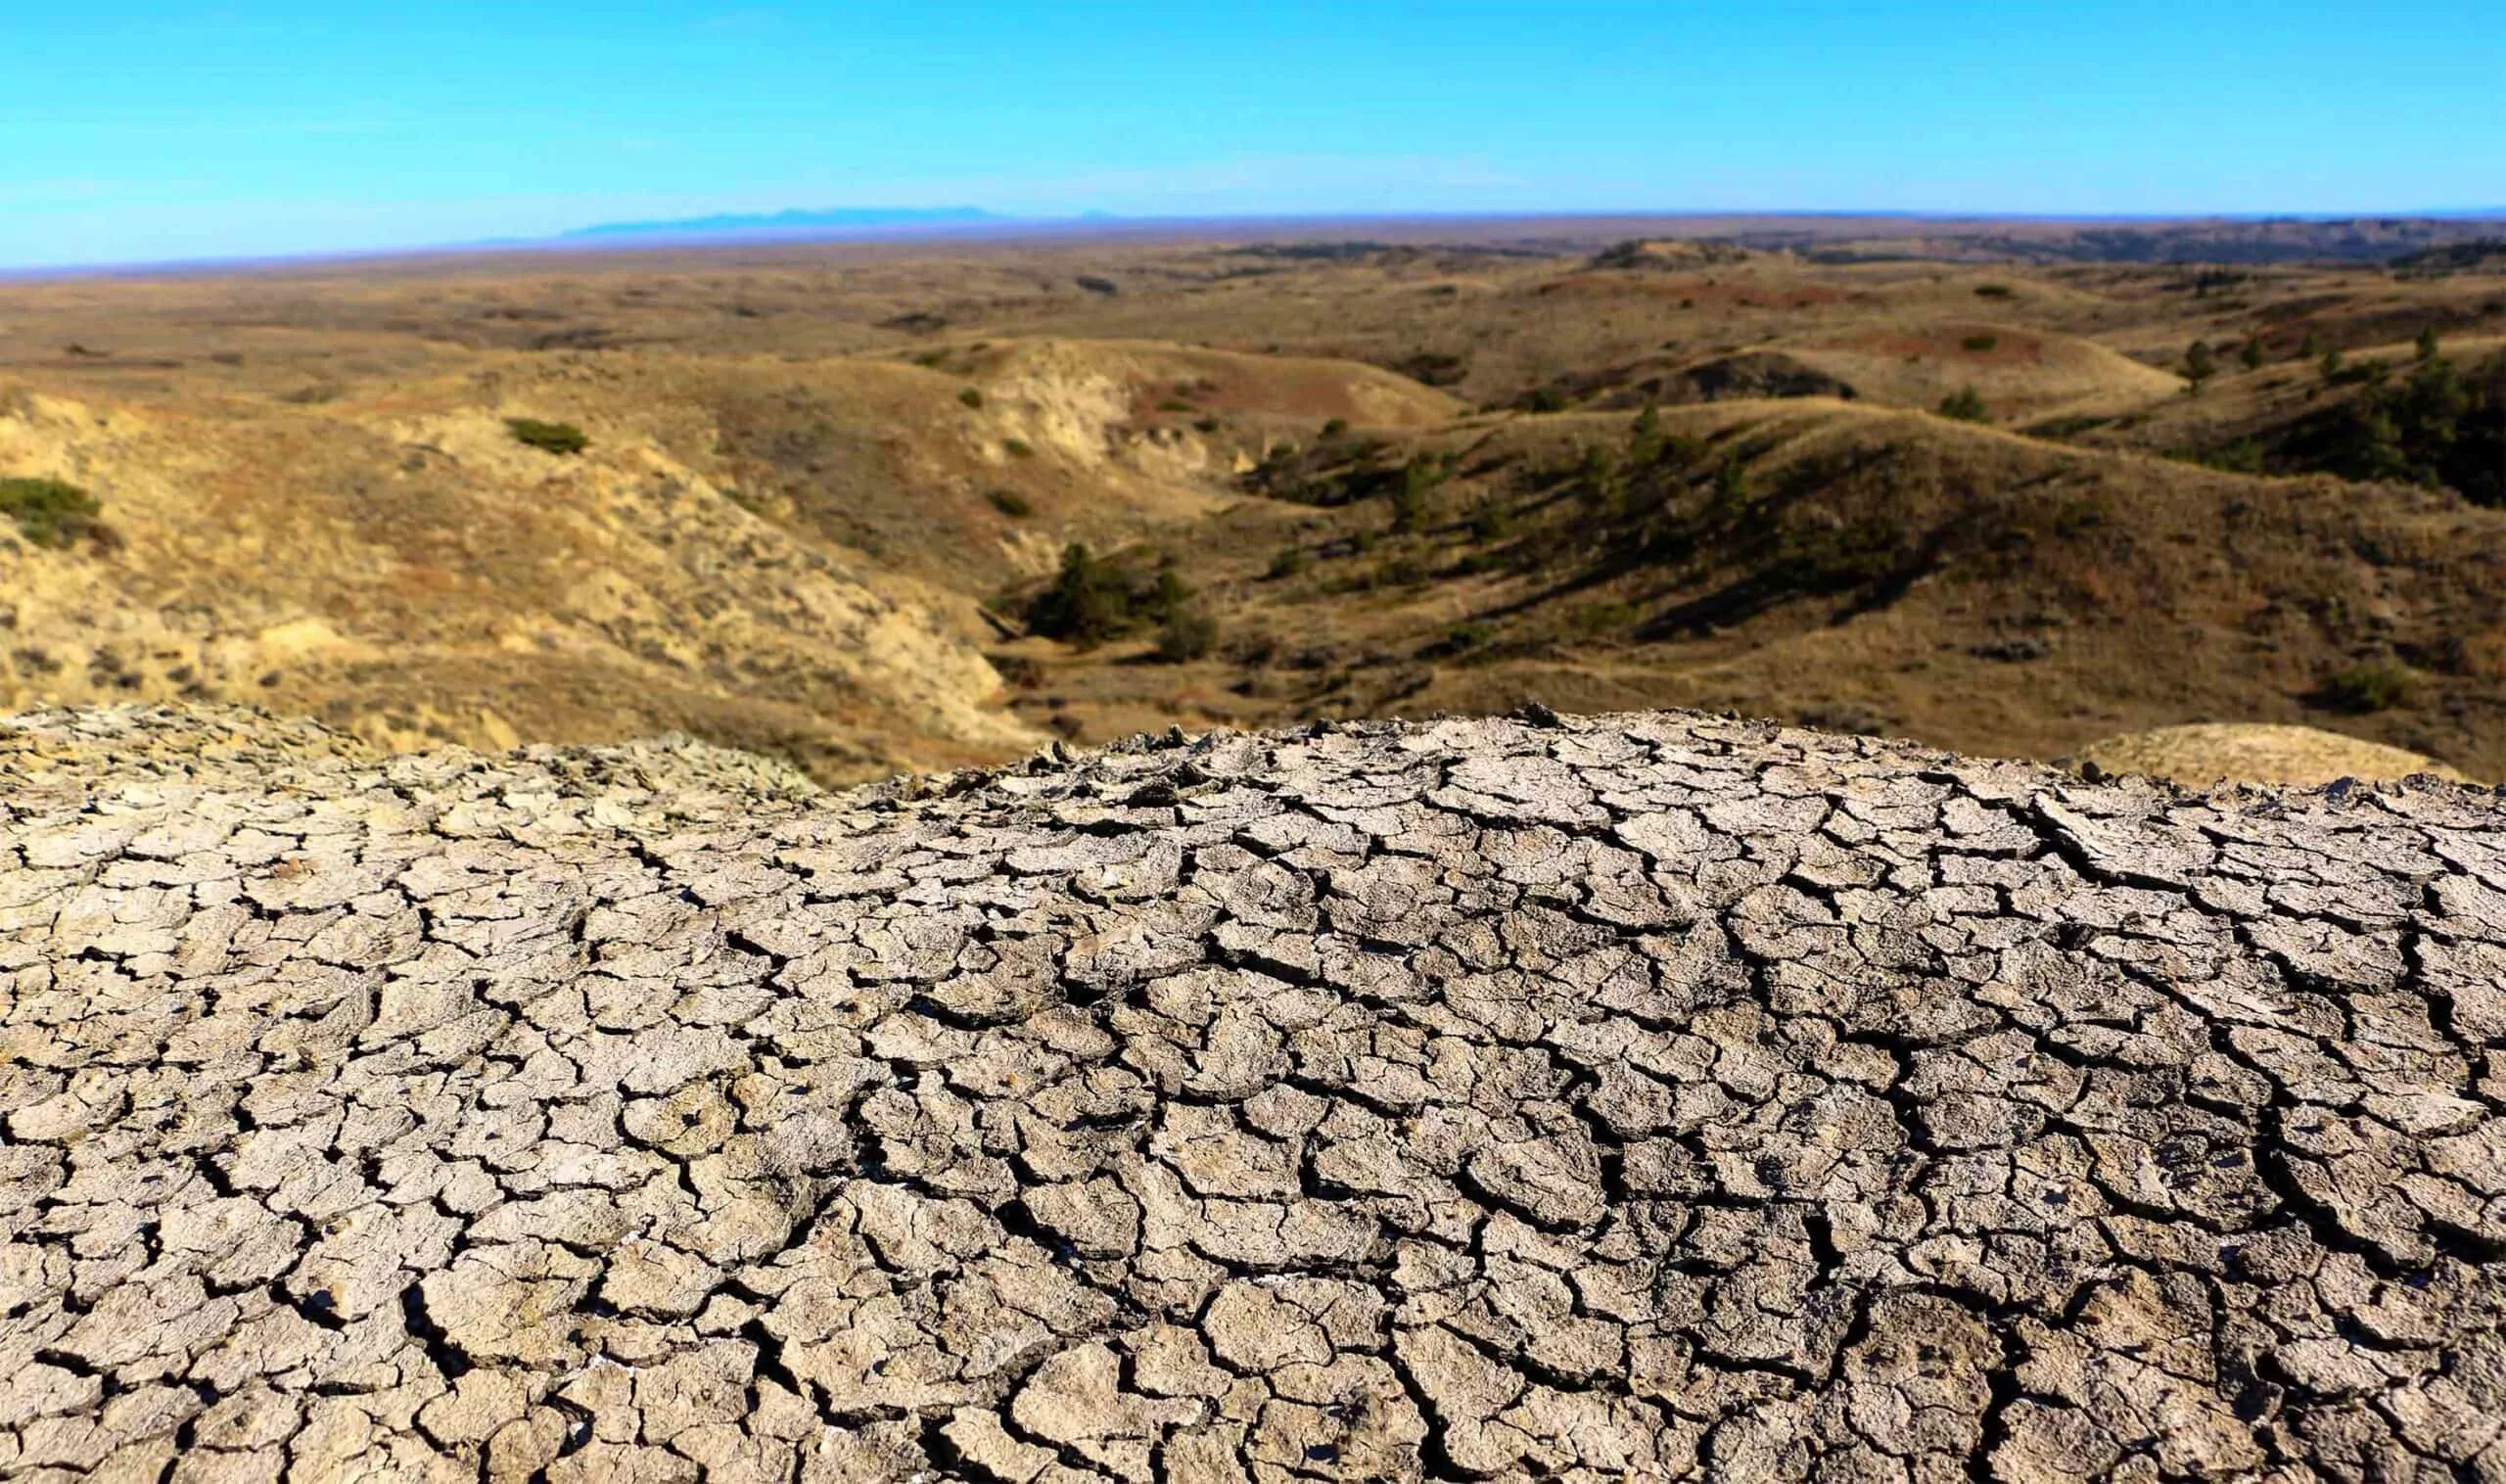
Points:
1637	1097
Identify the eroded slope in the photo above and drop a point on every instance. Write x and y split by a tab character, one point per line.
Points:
1638	1096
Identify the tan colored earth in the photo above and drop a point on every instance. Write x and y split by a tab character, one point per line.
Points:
823	486
2211	751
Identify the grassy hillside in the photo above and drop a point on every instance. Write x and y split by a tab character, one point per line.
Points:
826	505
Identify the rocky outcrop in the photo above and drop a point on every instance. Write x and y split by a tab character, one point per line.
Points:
1637	1097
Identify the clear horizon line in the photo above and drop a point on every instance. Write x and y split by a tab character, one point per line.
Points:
605	237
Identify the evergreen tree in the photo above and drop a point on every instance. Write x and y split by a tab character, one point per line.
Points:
1086	605
2200	364
1730	486
1171	594
1410	501
1644	442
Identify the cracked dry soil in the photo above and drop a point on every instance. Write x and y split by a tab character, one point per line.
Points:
1638	1096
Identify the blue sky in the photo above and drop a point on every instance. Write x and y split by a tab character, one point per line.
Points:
136	130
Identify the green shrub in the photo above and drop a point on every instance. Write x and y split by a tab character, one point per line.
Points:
1981	342
1966	404
971	398
1175	405
2376	685
1168	595
2242	456
1189	634
1017	448
50	513
1419	478
563	438
1491	521
1009	502
1546	400
1595	619
1730	486
1335	427
1287	562
2251	354
1993	291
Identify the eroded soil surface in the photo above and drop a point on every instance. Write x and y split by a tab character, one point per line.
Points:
1640	1097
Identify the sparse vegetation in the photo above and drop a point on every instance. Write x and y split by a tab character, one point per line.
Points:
1644	440
1491	521
49	512
2433	427
1410	498
2201	364
1189	634
562	439
2375	686
1094	599
1966	404
1730	486
1087	604
1470	634
1677	515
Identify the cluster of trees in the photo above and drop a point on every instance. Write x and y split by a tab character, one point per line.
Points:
1094	599
2428	421
2434	426
2201	360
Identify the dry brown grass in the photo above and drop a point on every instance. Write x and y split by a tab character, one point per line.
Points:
794	527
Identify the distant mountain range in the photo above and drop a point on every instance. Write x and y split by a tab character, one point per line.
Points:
2247	239
794	223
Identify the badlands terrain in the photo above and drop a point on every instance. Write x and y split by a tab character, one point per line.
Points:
1953	482
463	1016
